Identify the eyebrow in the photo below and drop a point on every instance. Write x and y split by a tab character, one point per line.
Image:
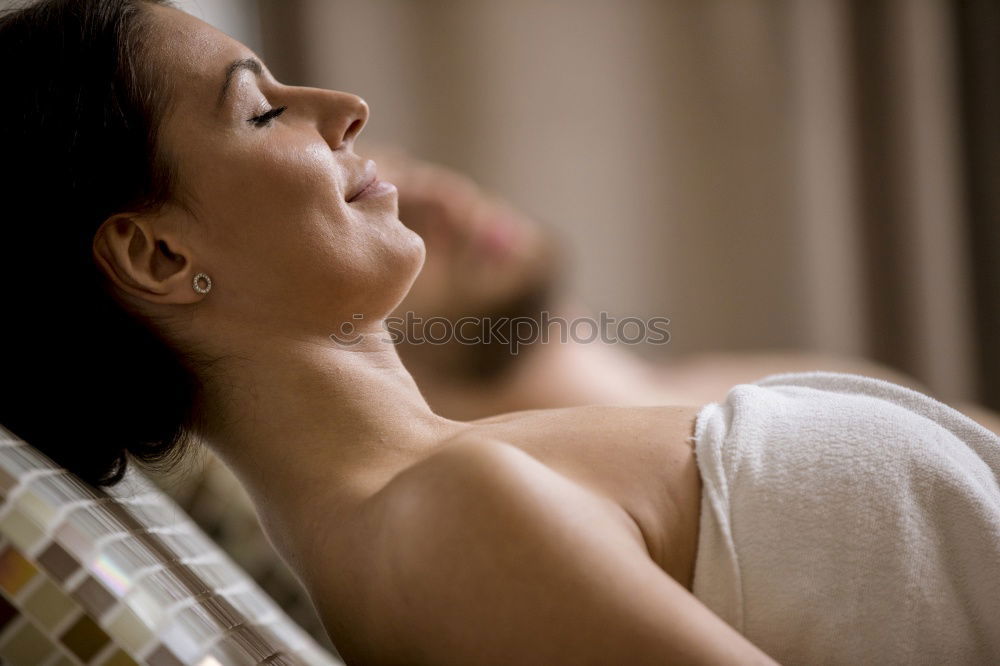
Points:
251	64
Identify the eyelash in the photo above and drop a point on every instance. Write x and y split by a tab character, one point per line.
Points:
265	119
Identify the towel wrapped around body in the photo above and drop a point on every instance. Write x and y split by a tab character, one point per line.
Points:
848	520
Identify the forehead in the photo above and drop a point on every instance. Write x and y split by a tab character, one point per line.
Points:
191	51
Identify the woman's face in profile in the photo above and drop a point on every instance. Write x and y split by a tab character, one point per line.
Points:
271	183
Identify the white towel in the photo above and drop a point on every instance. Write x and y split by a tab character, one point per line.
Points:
848	520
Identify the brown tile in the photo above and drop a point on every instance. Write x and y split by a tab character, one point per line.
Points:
163	657
85	638
59	563
7	612
94	597
15	570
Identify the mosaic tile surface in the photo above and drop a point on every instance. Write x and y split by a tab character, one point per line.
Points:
214	499
123	578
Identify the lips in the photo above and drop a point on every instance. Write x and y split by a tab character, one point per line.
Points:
368	179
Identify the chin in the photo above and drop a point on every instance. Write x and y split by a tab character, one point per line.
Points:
417	240
412	262
415	250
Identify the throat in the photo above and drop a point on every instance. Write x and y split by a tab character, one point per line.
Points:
311	429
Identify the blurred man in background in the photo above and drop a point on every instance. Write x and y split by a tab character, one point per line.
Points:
488	262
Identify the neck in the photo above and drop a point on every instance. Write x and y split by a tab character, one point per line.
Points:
294	418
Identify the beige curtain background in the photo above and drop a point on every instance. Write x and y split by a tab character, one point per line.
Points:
813	174
805	174
978	30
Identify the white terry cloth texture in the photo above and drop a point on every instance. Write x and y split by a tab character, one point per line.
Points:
848	520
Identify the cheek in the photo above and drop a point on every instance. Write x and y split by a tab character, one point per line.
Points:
276	199
281	229
289	185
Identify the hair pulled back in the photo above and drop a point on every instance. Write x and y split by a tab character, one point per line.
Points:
84	381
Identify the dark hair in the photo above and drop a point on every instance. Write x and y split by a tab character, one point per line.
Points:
82	379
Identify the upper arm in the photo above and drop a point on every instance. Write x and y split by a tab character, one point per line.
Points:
492	558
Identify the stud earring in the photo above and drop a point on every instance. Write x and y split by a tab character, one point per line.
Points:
202	288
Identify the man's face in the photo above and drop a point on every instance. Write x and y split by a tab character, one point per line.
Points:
483	256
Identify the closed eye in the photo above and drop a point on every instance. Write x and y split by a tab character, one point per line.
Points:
265	118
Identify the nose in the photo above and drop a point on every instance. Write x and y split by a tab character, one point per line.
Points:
341	117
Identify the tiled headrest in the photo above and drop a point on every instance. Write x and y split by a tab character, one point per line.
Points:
123	577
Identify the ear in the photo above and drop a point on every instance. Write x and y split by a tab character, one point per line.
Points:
145	259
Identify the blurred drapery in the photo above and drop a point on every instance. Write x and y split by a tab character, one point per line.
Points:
978	30
806	174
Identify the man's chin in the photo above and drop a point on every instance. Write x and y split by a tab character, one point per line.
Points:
492	359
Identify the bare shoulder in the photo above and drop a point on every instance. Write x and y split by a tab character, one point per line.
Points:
485	555
471	453
475	478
